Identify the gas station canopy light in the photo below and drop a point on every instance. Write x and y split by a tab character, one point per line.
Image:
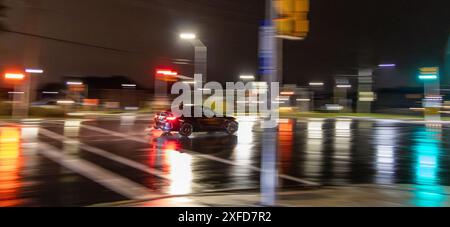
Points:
429	73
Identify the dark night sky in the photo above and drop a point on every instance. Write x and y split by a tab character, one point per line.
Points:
144	34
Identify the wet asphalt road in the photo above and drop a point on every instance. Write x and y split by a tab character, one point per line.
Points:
80	163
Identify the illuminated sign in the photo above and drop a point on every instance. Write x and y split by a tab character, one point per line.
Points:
429	73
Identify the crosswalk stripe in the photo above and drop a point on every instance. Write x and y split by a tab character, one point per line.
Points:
106	154
197	154
108	179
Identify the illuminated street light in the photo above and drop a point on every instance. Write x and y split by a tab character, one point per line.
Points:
188	36
65	102
16	92
35	71
50	92
289	93
74	83
128	85
189	82
316	84
283	98
200	53
343	86
247	77
387	65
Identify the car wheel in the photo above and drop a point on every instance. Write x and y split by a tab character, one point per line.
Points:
231	127
186	129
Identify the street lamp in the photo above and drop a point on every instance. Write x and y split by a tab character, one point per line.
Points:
50	92
387	65
188	36
76	87
200	53
344	86
316	84
315	87
189	82
35	71
30	83
74	83
247	77
129	85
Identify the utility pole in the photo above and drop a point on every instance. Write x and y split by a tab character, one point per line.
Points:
268	72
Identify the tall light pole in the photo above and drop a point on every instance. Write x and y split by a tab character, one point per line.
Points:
366	94
22	90
200	53
315	87
17	80
30	85
128	90
268	73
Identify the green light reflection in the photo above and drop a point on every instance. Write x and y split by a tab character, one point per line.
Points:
428	192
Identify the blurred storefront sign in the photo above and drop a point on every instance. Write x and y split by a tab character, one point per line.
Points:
90	102
77	88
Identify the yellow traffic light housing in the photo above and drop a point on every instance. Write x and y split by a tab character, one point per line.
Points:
292	18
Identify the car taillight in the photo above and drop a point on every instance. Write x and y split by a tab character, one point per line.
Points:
171	118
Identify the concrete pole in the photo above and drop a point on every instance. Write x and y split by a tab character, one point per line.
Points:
431	100
201	58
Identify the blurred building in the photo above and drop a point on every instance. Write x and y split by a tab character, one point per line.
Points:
111	92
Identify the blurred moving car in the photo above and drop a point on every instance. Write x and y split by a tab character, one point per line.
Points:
185	126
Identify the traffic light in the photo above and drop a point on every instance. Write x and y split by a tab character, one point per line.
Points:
292	18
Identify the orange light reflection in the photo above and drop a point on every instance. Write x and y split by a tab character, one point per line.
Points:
10	165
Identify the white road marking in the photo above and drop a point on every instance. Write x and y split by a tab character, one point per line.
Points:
145	168
106	154
113	182
197	154
254	168
113	133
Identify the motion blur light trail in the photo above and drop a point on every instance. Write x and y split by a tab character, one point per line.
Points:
427	151
10	166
